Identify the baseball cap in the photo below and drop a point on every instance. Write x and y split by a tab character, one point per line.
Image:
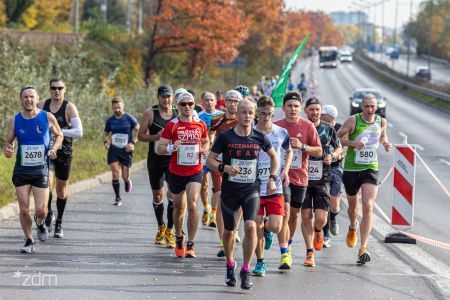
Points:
233	95
164	90
312	101
330	110
184	96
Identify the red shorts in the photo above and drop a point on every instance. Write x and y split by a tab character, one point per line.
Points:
216	181
272	205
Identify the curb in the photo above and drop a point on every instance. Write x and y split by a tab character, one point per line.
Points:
11	210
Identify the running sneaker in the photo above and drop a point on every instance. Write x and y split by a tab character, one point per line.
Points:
309	260
212	222
190	253
180	251
59	233
334	227
289	255
326	241
170	238
363	256
318	240
28	247
351	237
42	232
221	253
260	269
117	202
159	239
128	186
268	236
205	216
237	237
246	284
230	278
49	220
285	263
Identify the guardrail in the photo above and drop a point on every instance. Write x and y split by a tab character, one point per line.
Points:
435	59
412	86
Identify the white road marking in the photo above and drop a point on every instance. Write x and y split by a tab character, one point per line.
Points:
420	147
390	125
445	162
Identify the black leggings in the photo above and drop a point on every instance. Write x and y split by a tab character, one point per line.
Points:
230	208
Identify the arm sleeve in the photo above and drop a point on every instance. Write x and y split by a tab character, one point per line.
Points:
107	126
77	128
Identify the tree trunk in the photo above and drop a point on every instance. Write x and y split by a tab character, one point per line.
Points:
151	49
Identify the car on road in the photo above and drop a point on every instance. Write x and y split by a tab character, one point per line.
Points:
423	73
358	95
345	57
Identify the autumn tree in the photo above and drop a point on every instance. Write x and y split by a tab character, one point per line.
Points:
15	9
47	15
350	33
3	17
206	30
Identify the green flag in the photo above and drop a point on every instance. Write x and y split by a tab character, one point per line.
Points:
280	88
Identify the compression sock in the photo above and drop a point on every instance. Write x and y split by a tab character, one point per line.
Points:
61	206
49	204
159	212
116	187
170	214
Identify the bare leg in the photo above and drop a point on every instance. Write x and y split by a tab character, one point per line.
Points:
369	194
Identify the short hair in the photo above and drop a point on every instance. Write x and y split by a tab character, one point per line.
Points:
265	101
116	100
292	96
368	97
245	103
27	88
206	93
56	79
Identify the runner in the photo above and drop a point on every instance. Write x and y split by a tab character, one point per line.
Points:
305	141
66	114
32	128
362	133
150	129
272	205
121	147
329	115
188	141
209	103
220	101
220	124
317	198
240	147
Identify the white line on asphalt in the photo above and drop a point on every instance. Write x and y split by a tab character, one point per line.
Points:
390	125
445	162
420	147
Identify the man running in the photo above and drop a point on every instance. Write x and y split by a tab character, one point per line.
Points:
121	147
329	115
188	140
240	148
32	128
305	141
362	133
151	126
220	124
270	205
317	198
209	112
66	114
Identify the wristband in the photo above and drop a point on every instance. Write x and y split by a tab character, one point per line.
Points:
221	167
169	149
274	177
303	148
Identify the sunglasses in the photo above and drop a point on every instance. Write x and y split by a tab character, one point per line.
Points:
54	88
183	104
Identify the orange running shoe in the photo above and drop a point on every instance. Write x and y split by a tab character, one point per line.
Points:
180	251
309	260
190	253
351	237
363	256
318	240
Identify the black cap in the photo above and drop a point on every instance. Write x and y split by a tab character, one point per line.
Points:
311	101
292	96
164	90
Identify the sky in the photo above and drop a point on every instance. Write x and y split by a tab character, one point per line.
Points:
346	5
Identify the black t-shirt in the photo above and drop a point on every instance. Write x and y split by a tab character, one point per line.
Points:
329	141
242	151
337	163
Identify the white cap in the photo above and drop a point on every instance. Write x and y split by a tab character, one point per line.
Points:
179	91
330	110
233	95
183	96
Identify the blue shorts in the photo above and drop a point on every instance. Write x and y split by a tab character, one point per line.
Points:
120	155
336	183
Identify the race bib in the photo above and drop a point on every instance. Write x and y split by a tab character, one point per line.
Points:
247	171
264	170
188	155
366	156
296	159
315	169
119	140
32	155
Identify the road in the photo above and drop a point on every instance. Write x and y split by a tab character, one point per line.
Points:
424	126
108	253
440	73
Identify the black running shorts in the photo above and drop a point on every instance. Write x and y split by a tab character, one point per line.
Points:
40	181
354	179
295	195
120	155
230	208
177	184
61	165
317	197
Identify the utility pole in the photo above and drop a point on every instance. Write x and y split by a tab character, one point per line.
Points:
129	17
382	31
430	35
409	38
140	18
76	10
395	31
104	10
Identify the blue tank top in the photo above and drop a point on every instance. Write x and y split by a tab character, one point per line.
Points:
33	136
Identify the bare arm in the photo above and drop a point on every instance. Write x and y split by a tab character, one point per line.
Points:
105	140
9	140
57	133
346	129
271	186
383	137
144	126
